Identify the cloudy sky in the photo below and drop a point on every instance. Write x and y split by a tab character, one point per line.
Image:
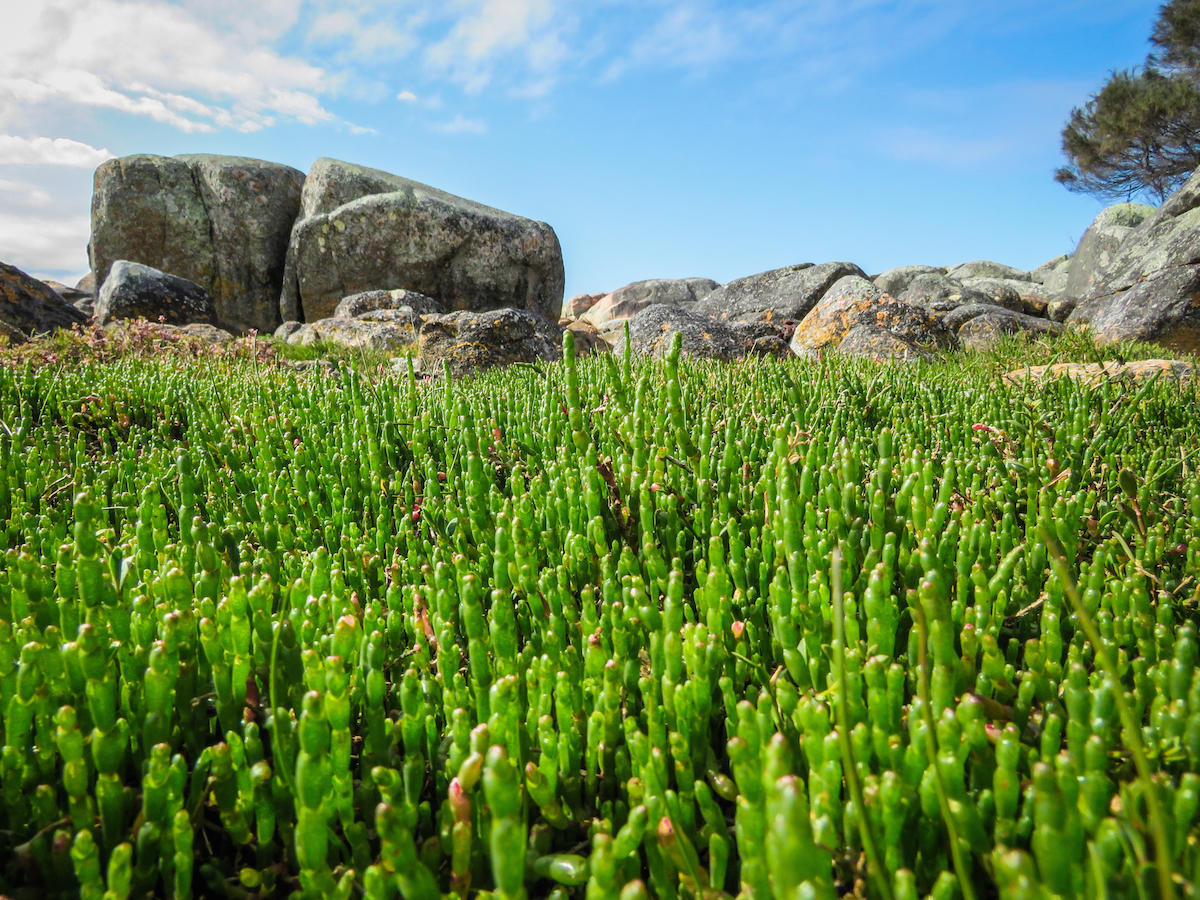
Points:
659	137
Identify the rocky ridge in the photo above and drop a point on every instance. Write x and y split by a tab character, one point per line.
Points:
364	258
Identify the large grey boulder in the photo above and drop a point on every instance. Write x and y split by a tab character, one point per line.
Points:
363	229
135	291
222	222
1150	290
651	331
29	307
633	298
777	295
1098	246
885	326
896	281
471	341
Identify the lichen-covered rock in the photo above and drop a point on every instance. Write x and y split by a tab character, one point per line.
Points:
775	296
896	281
391	331
1029	297
471	341
985	268
939	294
370	301
135	291
855	303
363	229
1098	247
29	307
1051	268
650	333
982	331
1097	373
287	329
873	342
1150	290
633	298
222	222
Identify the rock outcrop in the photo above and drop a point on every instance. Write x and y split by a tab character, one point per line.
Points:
29	307
363	229
1098	246
1150	289
222	222
135	291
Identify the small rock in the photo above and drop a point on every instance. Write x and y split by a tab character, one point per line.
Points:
287	329
939	294
1096	373
588	339
982	331
985	268
896	281
633	298
579	304
367	301
392	333
471	341
650	333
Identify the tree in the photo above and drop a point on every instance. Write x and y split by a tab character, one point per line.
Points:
1141	133
1177	36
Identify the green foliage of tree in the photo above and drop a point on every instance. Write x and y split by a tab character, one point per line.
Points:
1140	134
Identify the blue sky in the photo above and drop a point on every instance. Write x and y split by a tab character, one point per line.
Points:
660	138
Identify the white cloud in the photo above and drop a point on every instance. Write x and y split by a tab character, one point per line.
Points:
483	32
195	67
18	196
44	244
460	124
44	151
406	97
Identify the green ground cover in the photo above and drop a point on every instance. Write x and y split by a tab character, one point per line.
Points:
596	629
